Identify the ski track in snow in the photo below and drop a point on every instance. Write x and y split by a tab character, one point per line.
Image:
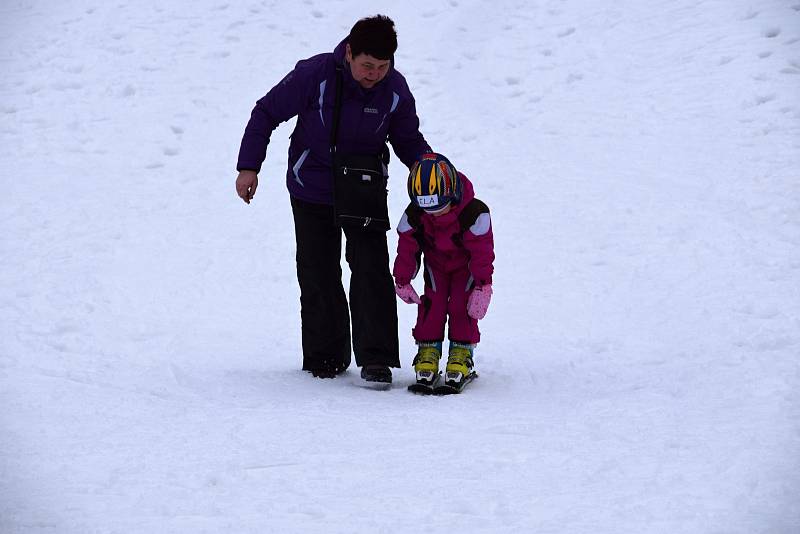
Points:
639	367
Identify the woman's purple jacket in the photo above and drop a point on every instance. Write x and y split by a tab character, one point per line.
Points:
368	117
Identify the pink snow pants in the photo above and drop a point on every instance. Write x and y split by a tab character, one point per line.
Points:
446	295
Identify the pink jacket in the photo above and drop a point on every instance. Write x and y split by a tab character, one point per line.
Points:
460	238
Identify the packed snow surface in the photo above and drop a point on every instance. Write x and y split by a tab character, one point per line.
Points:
640	362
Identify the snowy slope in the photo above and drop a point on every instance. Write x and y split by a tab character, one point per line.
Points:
639	369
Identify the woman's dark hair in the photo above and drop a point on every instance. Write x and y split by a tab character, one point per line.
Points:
374	36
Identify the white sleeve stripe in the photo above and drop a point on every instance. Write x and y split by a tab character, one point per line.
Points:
403	226
321	97
482	224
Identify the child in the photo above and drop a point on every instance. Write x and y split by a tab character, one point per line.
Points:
453	229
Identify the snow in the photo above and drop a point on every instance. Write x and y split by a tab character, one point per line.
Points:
639	364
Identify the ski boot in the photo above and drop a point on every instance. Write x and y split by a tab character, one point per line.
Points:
459	370
426	366
426	363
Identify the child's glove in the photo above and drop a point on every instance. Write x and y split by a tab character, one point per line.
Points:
407	293
478	302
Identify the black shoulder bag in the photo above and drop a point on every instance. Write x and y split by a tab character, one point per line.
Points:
359	181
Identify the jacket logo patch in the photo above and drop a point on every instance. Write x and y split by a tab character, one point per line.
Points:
371	110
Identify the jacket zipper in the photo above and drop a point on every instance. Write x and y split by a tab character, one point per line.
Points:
368	171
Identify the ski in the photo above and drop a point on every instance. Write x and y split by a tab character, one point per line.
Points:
423	387
452	387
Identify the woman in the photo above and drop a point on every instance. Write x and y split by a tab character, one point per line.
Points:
374	104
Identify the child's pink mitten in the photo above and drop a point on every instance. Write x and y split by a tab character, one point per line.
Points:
407	293
478	302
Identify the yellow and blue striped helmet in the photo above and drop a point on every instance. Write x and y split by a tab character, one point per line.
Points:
433	183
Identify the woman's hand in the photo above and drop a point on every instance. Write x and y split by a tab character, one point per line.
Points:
246	184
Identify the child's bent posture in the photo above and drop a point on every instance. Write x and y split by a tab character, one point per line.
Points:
452	230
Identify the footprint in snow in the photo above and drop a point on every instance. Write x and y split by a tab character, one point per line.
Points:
772	342
793	68
764	99
221	54
69	86
765	54
771	33
566	32
7	361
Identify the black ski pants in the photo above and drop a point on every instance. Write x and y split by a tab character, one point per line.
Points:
323	306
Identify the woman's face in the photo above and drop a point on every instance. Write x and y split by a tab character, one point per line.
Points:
367	70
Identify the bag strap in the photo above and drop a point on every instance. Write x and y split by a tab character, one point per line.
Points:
337	108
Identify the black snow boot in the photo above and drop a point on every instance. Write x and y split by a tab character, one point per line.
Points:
377	373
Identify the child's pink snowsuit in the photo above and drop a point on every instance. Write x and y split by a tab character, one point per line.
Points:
458	250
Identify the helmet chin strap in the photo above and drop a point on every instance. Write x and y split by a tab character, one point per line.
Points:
440	210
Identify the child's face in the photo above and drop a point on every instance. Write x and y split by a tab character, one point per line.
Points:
441	212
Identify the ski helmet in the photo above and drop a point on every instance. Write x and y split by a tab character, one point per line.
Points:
434	183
